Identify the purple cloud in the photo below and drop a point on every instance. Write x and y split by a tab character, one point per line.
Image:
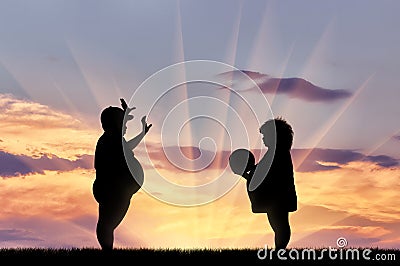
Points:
174	158
177	159
327	237
237	74
15	165
47	232
292	87
359	231
382	160
16	234
306	160
396	137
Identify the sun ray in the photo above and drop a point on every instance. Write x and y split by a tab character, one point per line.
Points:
334	118
262	40
249	225
380	143
15	78
116	87
231	60
232	50
281	72
83	229
305	235
255	61
84	74
180	55
265	37
319	50
71	106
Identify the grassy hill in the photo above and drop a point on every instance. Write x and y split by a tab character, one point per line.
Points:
214	256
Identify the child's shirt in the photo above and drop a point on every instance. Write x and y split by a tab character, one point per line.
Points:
113	174
277	188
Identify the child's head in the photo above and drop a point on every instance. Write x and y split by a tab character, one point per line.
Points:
112	119
282	131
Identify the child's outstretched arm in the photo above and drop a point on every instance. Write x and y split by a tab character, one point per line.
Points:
132	143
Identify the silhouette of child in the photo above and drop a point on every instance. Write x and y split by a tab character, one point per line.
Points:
276	194
115	184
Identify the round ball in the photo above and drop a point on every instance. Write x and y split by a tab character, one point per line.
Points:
241	161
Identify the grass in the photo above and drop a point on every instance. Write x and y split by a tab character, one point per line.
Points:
235	256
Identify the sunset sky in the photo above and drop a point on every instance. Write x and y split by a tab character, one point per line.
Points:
206	74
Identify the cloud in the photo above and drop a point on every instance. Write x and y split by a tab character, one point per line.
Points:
17	235
177	159
317	159
186	158
45	232
52	194
23	112
58	209
397	137
327	237
362	221
382	160
238	74
49	210
358	187
34	129
292	87
322	226
15	165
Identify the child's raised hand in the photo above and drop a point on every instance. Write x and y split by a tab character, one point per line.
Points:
125	106
146	127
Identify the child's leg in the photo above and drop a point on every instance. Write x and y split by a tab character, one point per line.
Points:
104	229
119	211
279	220
110	216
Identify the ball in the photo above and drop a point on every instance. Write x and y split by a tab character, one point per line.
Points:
241	161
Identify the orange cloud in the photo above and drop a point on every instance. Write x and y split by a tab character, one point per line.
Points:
34	129
44	210
362	188
62	201
62	195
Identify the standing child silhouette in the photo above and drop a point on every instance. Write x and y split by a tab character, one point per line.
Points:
114	162
276	194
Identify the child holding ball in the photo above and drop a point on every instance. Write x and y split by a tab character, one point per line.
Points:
270	183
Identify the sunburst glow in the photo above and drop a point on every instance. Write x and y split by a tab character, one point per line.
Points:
206	75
